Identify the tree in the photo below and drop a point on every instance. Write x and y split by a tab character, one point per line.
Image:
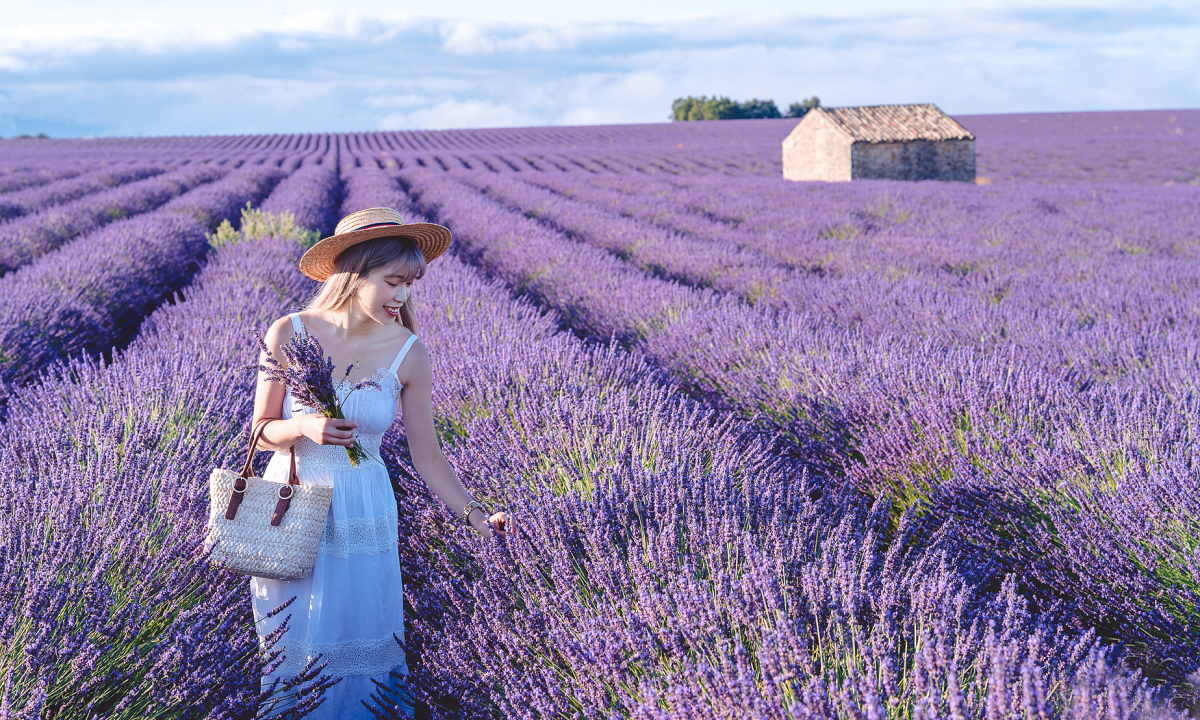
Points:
704	108
798	109
722	108
755	109
688	108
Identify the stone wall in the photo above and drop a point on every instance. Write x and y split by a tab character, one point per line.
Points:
914	160
816	150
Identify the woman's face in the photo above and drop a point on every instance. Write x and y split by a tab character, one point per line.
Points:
383	291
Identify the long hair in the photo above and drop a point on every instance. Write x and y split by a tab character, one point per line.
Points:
356	261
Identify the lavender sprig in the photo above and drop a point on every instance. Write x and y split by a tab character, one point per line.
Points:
309	374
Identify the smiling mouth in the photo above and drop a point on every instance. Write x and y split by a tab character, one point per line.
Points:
393	310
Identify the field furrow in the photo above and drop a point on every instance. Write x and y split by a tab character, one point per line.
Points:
873	449
651	524
92	294
24	239
22	203
17	179
980	437
145	430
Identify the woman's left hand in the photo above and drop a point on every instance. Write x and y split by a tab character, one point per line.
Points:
501	523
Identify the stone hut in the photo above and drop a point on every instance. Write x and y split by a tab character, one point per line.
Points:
892	142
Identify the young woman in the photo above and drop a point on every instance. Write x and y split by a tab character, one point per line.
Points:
352	603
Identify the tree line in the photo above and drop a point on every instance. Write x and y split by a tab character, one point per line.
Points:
722	108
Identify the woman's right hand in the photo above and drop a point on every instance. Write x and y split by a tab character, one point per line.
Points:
328	431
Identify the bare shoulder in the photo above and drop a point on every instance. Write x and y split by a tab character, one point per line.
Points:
305	316
280	333
397	335
416	365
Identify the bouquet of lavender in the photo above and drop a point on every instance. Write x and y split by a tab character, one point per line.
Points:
309	374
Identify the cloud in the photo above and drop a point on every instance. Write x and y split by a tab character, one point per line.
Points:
458	114
320	71
462	37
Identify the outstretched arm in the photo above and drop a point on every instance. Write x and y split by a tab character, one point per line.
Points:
416	399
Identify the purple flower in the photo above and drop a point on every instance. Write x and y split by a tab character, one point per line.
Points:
309	375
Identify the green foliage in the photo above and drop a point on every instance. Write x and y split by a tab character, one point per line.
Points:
702	108
258	224
799	109
721	108
755	109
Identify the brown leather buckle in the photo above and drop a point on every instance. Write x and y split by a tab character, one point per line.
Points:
235	498
288	489
280	508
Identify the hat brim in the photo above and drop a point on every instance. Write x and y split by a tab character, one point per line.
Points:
318	263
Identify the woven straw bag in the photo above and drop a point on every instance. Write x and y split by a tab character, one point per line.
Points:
263	528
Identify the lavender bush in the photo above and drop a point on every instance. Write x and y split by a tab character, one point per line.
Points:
29	237
860	450
91	294
871	416
312	195
173	402
19	203
115	612
19	178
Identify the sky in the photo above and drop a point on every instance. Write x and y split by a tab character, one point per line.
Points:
142	68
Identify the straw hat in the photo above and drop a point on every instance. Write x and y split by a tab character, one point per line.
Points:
369	224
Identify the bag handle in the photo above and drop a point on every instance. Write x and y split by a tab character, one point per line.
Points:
255	436
239	483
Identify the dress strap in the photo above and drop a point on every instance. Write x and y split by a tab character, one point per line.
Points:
297	325
403	351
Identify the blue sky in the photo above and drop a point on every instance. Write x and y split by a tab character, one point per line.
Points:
134	67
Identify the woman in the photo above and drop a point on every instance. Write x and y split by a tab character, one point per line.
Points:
352	603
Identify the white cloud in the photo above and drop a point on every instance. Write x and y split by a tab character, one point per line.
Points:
464	37
458	114
320	71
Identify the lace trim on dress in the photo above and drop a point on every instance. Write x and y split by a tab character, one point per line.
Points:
349	657
333	458
384	376
360	536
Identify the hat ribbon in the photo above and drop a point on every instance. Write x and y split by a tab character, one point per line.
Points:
373	225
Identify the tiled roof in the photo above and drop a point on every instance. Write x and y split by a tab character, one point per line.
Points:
896	123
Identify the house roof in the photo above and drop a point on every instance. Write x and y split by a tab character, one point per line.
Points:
897	123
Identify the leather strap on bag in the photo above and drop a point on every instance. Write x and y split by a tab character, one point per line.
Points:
285	500
239	484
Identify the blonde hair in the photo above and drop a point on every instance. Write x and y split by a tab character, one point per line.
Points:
357	261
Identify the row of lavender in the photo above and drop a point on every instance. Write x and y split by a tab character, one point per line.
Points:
92	293
1075	487
1137	147
25	239
588	473
109	609
19	203
669	562
84	285
1070	276
645	470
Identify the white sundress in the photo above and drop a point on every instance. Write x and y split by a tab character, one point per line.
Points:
350	605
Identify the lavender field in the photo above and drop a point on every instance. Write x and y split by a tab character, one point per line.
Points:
777	450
